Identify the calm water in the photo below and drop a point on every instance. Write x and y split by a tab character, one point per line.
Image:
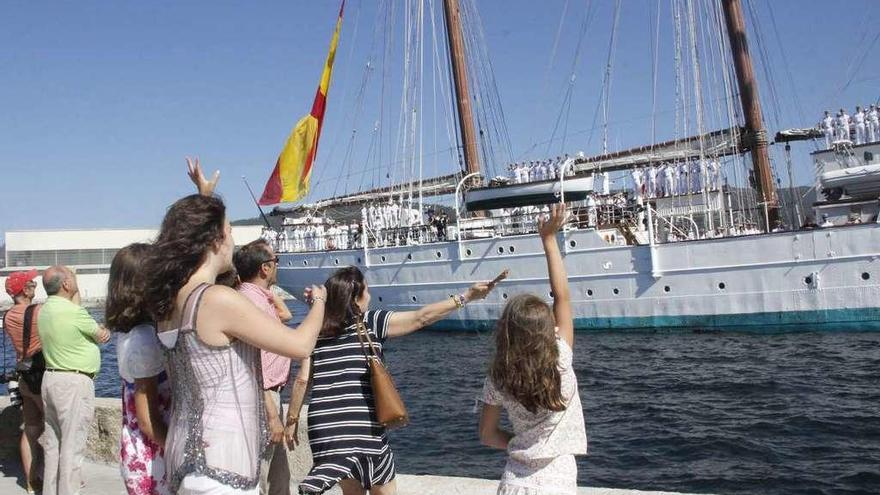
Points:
706	413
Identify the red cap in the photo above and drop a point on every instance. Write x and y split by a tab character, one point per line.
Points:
17	280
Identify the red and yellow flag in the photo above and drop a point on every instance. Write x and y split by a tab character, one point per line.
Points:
290	178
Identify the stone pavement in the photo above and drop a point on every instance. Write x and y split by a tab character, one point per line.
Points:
104	479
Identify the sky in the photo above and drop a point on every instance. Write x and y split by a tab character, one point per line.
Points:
101	101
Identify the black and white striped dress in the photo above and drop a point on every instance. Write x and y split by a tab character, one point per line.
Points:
345	438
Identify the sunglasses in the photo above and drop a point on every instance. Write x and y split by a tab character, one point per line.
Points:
271	260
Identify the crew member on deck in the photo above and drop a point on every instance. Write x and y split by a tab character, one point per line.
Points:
873	118
827	126
843	122
859	121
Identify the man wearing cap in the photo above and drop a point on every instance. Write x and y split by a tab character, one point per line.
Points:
21	286
70	340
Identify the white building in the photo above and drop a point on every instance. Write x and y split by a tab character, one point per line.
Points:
88	252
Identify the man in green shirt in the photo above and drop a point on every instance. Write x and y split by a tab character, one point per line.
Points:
70	340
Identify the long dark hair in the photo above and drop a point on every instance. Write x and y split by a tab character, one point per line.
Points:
344	288
192	226
125	306
525	364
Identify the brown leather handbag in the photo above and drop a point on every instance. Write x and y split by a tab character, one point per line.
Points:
390	411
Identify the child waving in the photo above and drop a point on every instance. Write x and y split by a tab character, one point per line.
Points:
531	376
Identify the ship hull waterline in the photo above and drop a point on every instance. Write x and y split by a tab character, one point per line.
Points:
818	280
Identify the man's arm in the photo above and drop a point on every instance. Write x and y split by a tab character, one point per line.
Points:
297	397
276	427
90	328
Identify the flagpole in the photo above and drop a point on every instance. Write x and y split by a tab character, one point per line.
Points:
255	201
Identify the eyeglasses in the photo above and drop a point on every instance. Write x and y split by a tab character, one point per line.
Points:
30	285
271	260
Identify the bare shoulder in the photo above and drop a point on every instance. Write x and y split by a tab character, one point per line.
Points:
221	299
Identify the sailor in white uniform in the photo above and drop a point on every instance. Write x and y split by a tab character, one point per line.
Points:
843	122
592	211
696	177
714	178
873	118
668	180
859	121
319	235
827	125
652	181
637	178
393	215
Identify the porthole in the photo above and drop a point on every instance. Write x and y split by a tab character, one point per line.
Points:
866	276
439	254
589	292
511	249
359	260
572	243
383	257
666	288
500	249
380	298
289	263
409	256
467	252
721	286
808	280
413	298
336	261
504	295
616	291
305	262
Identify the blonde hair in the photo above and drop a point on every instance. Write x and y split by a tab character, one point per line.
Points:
525	365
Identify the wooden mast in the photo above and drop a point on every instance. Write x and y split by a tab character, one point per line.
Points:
452	13
756	137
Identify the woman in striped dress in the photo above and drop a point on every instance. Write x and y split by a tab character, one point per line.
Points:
348	445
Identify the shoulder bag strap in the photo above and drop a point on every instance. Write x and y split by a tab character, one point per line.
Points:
27	329
364	338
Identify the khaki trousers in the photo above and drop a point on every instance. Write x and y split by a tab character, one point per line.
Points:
69	402
32	414
274	469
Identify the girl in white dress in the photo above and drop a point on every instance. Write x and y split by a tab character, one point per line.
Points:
531	376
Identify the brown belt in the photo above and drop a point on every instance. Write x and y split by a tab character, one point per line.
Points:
90	375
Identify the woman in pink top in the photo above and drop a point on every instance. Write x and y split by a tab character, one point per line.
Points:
212	336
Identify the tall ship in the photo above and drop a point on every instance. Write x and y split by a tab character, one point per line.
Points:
689	233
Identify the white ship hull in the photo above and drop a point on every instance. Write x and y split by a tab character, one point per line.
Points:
825	279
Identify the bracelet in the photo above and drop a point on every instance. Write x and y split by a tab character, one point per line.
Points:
319	298
459	301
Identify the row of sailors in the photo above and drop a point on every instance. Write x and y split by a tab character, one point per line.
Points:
523	172
313	237
674	179
840	127
390	216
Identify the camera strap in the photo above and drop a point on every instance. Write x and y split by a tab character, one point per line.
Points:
5	332
28	324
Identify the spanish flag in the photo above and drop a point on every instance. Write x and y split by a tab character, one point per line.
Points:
290	179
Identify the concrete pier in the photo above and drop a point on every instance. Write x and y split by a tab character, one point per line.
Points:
101	471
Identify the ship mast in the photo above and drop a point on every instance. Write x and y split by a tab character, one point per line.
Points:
452	13
756	136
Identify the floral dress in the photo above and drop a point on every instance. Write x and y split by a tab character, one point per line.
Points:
142	461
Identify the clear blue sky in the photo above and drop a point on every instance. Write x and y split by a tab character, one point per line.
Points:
101	101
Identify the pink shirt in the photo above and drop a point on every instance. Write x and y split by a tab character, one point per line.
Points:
276	369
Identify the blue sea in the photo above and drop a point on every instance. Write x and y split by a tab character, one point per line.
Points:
687	412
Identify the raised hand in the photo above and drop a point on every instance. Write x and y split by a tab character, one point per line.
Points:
548	225
313	293
194	171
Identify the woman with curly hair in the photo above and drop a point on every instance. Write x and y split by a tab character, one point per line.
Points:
212	336
146	393
531	376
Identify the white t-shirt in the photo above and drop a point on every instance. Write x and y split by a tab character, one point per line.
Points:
545	434
139	354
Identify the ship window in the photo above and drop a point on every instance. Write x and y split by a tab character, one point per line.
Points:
866	275
305	262
869	157
439	254
511	249
616	291
414	299
336	261
504	295
721	285
572	243
380	298
359	260
666	288
383	257
289	263
409	256
589	292
808	280
467	252
500	249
